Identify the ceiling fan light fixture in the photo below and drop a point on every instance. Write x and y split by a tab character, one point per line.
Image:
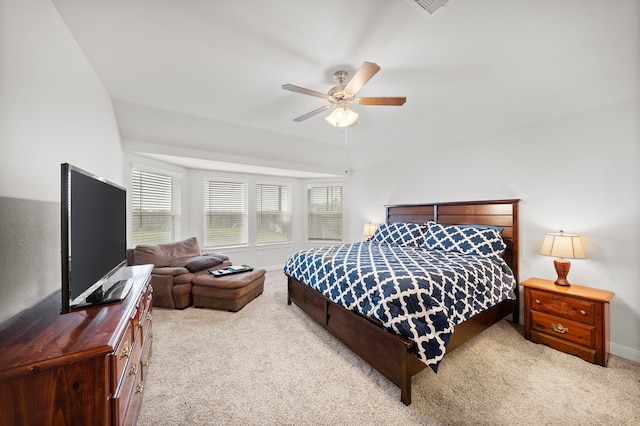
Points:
342	116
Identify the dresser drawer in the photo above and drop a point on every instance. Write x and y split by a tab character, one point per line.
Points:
131	379
123	354
147	348
143	308
567	330
134	404
144	323
579	310
145	302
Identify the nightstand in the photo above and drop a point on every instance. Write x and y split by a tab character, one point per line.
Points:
573	319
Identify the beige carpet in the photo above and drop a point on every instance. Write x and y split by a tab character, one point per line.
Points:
270	364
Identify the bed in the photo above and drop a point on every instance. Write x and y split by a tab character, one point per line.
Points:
369	326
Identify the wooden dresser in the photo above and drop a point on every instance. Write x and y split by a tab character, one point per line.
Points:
573	319
86	367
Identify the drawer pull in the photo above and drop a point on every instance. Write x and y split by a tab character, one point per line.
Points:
133	370
559	328
583	312
126	350
538	301
139	387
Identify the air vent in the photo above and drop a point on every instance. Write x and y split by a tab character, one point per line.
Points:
427	7
431	5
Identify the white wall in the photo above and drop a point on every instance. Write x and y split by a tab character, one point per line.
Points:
53	109
579	173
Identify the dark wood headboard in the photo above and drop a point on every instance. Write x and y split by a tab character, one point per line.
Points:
503	213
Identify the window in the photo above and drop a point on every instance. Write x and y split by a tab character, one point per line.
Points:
155	204
324	207
273	214
225	214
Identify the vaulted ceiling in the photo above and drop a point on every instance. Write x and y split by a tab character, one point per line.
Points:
198	82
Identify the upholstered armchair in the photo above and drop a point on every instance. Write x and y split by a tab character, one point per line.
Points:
175	265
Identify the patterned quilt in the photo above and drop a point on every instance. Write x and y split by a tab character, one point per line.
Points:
418	293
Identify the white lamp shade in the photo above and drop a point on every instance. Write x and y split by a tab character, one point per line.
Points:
369	229
564	246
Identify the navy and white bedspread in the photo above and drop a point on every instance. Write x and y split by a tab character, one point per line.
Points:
418	293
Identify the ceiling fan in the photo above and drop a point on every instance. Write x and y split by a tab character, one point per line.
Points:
341	95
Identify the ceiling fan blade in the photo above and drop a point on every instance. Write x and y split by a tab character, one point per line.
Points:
304	91
312	113
393	101
360	78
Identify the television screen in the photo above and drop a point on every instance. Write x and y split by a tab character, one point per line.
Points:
94	227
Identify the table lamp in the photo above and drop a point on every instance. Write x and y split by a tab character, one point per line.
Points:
562	246
369	230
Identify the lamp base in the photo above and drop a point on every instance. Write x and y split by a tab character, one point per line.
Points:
562	269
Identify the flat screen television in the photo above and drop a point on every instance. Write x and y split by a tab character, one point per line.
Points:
94	239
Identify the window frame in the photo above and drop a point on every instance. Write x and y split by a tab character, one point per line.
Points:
176	203
322	241
244	242
290	212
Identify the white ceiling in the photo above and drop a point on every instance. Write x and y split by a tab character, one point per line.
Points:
202	79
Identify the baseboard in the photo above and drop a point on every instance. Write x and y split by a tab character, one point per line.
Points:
625	352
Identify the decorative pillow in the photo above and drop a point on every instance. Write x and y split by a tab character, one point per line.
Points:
220	256
400	234
200	263
485	242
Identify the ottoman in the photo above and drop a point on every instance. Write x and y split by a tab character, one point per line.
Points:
230	292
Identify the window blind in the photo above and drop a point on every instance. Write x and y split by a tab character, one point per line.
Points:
155	201
324	207
273	214
225	214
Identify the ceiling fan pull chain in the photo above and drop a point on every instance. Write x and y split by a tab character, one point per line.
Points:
346	148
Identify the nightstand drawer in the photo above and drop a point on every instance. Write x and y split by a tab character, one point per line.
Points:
564	329
583	311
